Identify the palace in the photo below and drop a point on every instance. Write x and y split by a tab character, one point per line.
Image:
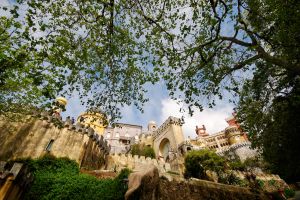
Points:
90	141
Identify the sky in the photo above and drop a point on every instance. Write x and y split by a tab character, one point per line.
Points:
159	108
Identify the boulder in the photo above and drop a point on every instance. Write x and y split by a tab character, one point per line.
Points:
143	184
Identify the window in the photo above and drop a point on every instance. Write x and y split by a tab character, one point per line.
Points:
49	145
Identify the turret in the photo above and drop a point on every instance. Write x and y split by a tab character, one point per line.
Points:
152	126
233	132
201	132
58	106
95	119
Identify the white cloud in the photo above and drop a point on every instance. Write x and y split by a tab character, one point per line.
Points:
213	119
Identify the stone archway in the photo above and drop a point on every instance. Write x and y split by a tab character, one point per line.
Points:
164	148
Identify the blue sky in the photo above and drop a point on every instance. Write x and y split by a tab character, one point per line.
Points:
160	107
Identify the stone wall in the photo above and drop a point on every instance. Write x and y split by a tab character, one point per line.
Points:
170	130
196	189
31	138
118	162
241	150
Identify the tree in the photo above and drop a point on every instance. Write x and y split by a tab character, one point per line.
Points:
198	162
81	46
276	131
24	80
110	49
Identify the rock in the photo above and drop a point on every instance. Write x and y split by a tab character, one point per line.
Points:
143	184
212	176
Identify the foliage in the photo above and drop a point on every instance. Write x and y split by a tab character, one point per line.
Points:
83	47
275	132
260	183
124	173
231	179
142	150
102	48
237	165
59	178
197	162
289	193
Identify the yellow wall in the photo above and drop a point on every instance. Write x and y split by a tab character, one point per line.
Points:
30	139
94	120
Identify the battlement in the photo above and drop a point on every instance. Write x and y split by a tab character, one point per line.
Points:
78	128
233	147
119	161
42	134
171	120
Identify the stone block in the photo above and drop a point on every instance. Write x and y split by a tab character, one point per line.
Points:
154	161
2	166
68	122
16	168
136	158
167	166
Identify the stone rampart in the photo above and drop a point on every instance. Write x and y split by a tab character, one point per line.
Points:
120	161
196	189
241	150
260	176
40	135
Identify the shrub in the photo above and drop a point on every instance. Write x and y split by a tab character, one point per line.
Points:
289	193
237	165
59	178
231	179
197	162
124	173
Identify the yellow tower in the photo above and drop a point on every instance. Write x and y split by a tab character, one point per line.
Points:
59	105
95	120
234	135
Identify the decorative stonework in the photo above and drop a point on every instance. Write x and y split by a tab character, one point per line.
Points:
171	120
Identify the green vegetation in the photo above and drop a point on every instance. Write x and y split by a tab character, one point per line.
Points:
289	193
197	162
231	179
59	178
142	150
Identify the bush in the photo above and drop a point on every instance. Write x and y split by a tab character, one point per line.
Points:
237	165
59	178
231	179
197	162
124	173
289	193
142	150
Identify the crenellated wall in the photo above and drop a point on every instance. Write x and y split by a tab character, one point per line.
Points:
242	150
35	137
120	161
